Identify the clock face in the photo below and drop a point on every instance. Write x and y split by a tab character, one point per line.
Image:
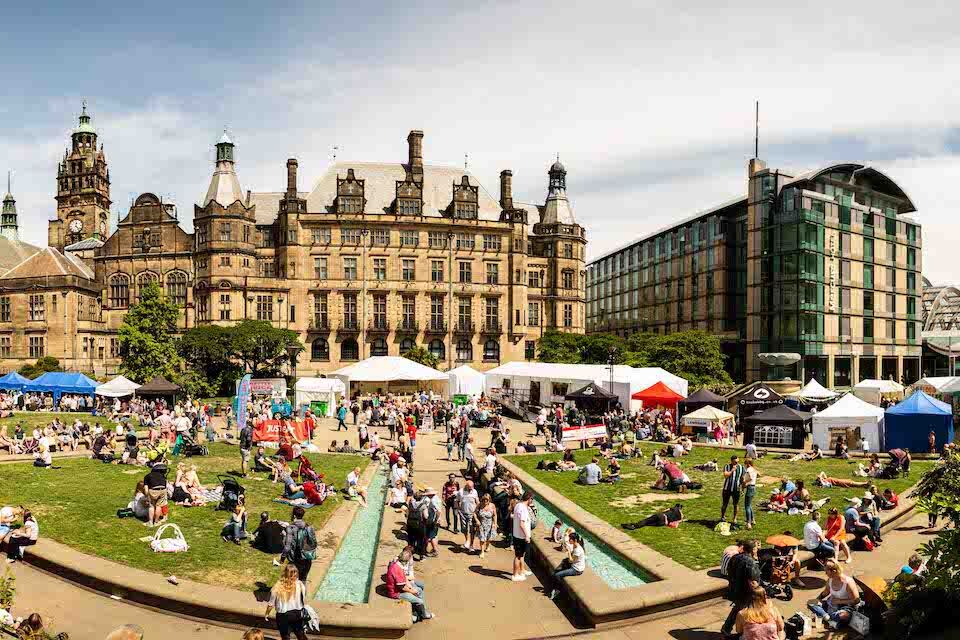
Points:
76	225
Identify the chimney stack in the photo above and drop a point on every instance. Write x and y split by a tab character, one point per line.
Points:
506	189
292	177
415	153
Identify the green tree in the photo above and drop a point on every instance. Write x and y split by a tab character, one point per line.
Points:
596	349
147	343
43	365
693	355
209	355
920	607
260	348
421	355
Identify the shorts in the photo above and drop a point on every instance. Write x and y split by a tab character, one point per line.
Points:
245	455
520	547
158	497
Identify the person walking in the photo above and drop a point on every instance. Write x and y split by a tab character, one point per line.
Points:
246	444
486	521
732	479
467	501
750	476
449	493
521	537
287	598
300	546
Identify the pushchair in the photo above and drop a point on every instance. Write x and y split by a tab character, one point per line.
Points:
898	464
231	492
190	447
156	453
776	572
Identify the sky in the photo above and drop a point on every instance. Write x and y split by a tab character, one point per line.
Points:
650	105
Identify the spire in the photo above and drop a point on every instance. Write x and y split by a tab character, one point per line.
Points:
9	228
557	207
224	185
84	126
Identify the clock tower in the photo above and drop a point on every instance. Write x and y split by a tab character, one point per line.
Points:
83	190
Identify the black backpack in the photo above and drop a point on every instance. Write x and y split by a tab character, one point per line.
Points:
793	627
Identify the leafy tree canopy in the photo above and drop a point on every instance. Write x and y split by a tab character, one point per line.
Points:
43	365
423	356
147	342
261	348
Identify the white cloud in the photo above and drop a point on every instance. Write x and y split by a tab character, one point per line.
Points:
649	104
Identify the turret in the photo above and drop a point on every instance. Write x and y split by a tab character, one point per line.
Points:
8	218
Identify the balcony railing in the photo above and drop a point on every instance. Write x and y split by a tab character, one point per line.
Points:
408	325
437	326
349	324
464	327
378	325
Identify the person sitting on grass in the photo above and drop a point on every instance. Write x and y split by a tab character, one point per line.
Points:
316	491
291	490
333	448
591	474
236	528
672	517
707	466
263	464
613	472
672	477
799	498
270	535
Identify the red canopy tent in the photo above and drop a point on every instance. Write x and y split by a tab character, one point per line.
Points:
659	394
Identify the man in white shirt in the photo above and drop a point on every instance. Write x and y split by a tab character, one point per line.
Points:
490	464
521	537
815	540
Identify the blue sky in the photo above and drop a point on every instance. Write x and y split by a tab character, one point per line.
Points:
649	104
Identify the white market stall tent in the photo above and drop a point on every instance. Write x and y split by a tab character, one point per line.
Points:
814	392
548	382
392	374
466	380
705	419
934	386
119	387
321	394
852	418
873	391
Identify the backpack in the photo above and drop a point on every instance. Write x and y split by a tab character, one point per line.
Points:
305	543
430	515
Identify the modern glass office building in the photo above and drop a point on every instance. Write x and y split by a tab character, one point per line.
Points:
824	264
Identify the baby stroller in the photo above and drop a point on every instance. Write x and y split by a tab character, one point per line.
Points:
156	453
231	492
898	464
776	572
190	447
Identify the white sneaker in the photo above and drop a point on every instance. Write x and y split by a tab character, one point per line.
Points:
527	572
518	578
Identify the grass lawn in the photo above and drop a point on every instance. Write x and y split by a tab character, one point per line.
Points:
695	544
77	505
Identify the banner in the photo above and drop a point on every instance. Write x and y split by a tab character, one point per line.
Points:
269	430
588	432
243	397
273	387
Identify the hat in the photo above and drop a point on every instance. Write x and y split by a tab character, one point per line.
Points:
868	496
430	491
855	501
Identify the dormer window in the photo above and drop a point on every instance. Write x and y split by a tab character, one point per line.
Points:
408	207
465	200
465	210
350	194
409	196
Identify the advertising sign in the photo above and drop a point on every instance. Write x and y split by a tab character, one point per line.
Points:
587	432
243	397
269	430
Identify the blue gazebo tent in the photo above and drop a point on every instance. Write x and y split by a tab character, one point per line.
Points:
13	381
909	423
60	382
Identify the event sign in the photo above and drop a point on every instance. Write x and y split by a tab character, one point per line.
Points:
269	430
273	387
575	433
243	398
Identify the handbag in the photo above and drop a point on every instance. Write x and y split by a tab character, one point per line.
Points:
176	544
859	623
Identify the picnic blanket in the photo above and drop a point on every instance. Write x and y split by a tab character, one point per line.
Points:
299	502
213	495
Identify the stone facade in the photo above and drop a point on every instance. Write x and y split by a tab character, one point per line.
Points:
377	258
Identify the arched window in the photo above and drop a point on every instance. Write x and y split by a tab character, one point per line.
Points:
177	288
379	347
491	351
464	350
349	350
320	349
143	280
119	291
437	349
406	344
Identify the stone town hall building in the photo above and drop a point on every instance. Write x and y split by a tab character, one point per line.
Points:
374	259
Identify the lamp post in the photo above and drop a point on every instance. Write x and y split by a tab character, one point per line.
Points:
612	357
363	290
450	236
293	351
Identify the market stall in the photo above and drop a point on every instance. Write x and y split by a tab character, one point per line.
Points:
758	398
58	383
814	393
319	395
592	400
909	423
391	374
876	391
119	387
704	422
700	399
779	426
850	418
465	381
658	395
160	387
13	381
934	386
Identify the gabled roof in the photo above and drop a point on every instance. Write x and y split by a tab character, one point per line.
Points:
780	414
49	262
267	204
13	252
380	188
89	243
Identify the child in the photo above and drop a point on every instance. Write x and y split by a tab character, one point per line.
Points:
236	528
836	533
449	448
557	533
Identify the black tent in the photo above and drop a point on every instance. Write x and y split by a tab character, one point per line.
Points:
159	387
757	398
779	426
699	400
592	399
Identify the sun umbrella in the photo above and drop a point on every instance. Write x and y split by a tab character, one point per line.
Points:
783	540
